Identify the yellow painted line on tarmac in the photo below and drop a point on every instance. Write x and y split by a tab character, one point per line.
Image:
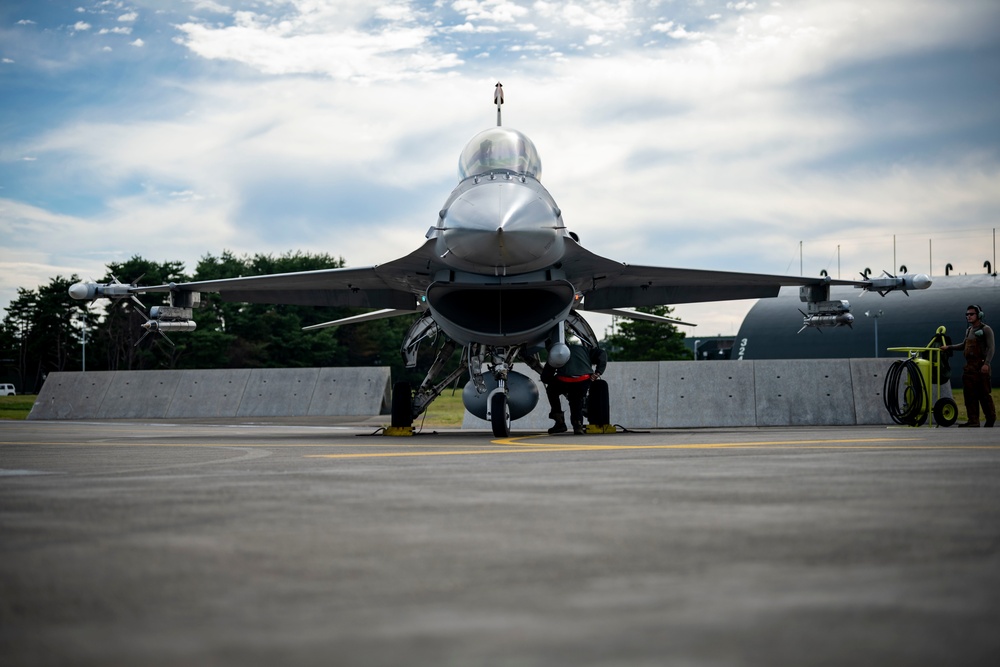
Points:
534	444
518	445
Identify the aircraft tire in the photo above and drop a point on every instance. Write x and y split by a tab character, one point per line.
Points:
500	415
945	411
599	403
402	405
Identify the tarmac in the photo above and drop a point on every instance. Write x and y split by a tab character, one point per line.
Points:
311	541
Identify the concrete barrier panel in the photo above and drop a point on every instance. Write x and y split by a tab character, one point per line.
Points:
868	379
71	395
704	394
633	387
351	391
135	394
278	392
793	392
208	393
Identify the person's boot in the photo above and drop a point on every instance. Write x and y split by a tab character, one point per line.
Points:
578	428
560	423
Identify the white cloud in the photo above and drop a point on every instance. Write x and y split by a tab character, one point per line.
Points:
128	17
596	16
300	45
210	6
701	152
81	26
470	28
498	11
400	12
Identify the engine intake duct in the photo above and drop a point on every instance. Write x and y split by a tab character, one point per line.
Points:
499	313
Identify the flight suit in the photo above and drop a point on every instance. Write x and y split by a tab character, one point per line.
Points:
573	380
978	351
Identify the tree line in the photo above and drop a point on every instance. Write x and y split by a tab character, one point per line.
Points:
45	330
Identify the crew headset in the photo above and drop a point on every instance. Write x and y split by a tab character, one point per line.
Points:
979	316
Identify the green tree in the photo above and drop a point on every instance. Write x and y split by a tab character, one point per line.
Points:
42	332
250	335
637	340
43	328
119	332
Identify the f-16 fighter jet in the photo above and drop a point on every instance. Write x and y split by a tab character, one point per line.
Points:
503	279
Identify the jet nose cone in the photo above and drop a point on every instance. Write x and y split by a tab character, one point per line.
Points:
502	224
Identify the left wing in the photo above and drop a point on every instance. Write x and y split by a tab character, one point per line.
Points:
607	284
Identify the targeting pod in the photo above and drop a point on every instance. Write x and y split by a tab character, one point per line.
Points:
167	318
824	313
157	326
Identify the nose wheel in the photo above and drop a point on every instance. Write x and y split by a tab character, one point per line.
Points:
500	415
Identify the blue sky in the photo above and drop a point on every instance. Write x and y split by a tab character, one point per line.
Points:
696	134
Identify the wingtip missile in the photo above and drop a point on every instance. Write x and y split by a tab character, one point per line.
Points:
904	283
91	291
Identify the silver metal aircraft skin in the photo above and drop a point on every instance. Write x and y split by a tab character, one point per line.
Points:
501	278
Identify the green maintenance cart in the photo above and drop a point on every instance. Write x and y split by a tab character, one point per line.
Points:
912	388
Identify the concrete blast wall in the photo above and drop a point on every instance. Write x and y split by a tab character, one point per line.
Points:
259	392
690	394
674	394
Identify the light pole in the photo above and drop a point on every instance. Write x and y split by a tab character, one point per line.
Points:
875	317
82	321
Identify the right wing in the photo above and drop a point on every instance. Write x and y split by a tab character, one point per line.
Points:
394	284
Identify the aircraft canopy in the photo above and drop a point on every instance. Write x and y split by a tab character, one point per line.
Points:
500	149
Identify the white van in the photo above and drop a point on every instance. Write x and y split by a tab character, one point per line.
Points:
7	390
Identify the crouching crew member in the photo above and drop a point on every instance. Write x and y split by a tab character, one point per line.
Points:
572	380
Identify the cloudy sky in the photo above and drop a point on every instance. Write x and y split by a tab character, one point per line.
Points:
753	136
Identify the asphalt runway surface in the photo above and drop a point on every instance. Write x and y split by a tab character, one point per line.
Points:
303	543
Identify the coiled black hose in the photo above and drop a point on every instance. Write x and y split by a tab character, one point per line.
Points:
912	412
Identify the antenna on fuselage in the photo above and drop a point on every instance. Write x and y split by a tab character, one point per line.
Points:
498	100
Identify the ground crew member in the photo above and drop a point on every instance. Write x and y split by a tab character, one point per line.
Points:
978	349
573	379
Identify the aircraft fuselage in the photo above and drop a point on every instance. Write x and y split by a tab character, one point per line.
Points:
502	237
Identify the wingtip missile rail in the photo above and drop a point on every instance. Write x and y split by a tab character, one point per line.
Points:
888	282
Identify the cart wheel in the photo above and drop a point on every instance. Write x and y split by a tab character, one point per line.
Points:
945	412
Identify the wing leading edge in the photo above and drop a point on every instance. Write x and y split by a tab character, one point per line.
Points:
394	284
608	284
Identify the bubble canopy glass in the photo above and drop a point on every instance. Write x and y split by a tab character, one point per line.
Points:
499	149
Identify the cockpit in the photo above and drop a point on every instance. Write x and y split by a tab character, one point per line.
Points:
497	150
